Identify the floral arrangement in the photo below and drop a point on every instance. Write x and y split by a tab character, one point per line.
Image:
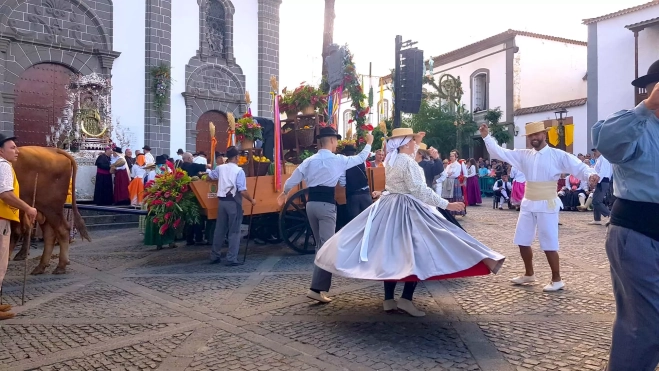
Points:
302	97
248	128
170	201
357	97
162	83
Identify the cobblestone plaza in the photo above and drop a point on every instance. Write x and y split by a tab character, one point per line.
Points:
124	306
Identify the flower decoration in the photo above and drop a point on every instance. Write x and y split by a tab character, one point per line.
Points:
248	128
162	83
170	201
302	97
357	97
343	143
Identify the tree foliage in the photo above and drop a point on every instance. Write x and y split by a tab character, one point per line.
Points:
498	132
439	124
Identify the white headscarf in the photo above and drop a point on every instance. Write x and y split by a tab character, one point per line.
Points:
392	149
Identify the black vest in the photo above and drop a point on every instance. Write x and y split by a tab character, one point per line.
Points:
356	180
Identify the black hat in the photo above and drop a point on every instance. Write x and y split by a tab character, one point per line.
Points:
349	149
328	131
180	151
652	76
4	138
146	148
232	152
161	160
117	149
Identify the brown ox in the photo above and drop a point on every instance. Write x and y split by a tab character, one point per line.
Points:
56	168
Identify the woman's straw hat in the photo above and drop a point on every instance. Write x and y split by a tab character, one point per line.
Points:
534	127
402	132
423	146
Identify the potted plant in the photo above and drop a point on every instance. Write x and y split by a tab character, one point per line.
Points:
247	131
287	105
308	99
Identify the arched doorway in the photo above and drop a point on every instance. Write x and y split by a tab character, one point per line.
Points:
40	99
221	123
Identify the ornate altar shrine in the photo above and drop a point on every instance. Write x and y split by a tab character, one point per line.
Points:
85	128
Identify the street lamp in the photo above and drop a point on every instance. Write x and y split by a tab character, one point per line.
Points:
561	114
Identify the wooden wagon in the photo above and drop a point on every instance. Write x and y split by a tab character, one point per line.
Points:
291	219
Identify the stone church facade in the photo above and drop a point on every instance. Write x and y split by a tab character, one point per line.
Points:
218	50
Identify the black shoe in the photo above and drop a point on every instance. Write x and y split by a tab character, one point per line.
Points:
216	261
233	264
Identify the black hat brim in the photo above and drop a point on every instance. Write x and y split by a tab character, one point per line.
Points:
338	136
644	81
4	140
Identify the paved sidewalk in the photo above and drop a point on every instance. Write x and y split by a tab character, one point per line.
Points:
124	306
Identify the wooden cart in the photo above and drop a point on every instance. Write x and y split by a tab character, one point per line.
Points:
292	223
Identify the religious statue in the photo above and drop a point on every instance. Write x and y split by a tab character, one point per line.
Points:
89	119
215	27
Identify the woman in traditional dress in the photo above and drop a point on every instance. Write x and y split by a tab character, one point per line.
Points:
452	188
519	186
402	236
119	168
473	185
103	181
136	186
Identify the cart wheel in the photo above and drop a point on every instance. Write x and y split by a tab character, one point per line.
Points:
294	226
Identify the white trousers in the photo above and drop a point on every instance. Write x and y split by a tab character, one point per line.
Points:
545	223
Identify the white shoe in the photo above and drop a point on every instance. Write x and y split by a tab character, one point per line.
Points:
321	297
521	280
554	286
594	222
407	306
390	305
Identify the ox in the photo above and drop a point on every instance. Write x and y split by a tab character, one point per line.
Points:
56	168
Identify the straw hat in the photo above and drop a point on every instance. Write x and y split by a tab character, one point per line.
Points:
423	146
534	127
402	132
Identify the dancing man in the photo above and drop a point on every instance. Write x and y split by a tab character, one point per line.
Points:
321	173
542	167
630	141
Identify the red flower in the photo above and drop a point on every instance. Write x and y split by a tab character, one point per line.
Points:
179	197
179	175
158	194
169	204
156	220
362	140
177	222
149	183
157	202
168	216
167	194
350	121
368	127
184	188
164	228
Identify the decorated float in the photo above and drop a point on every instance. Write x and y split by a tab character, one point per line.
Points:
305	110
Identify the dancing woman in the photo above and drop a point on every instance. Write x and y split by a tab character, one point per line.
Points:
402	237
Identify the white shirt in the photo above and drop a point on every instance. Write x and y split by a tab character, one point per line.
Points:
6	176
504	185
472	171
231	179
114	159
454	169
545	165
200	160
324	168
148	157
603	168
137	172
518	176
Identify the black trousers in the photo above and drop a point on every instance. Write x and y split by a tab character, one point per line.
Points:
356	203
390	287
195	233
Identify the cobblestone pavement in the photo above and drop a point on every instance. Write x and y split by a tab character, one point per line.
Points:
124	306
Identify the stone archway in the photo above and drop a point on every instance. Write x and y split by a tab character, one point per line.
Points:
203	140
40	100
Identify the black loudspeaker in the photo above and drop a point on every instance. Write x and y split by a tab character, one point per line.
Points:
335	65
411	80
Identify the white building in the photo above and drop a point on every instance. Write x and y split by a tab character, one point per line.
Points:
217	50
621	47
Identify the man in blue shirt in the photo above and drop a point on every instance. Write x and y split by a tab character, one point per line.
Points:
629	139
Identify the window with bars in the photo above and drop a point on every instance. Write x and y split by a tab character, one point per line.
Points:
479	92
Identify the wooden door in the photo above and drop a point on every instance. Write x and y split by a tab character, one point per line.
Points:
40	100
203	141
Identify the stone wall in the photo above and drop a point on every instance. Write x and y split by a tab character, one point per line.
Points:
157	130
268	53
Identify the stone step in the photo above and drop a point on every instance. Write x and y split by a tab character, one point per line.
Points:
110	218
111	226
